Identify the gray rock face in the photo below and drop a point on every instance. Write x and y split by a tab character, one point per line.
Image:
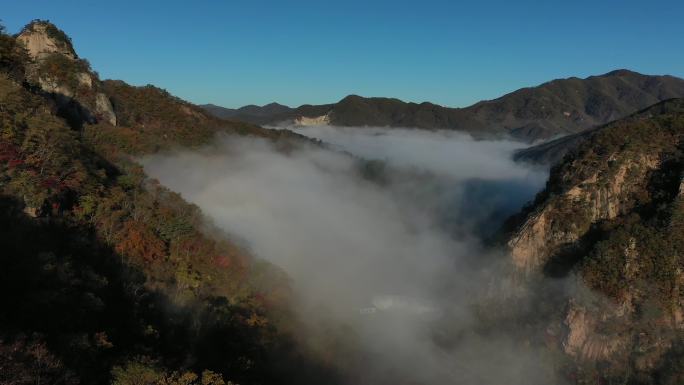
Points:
104	108
42	40
591	200
40	43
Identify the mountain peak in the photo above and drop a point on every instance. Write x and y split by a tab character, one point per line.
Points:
352	97
275	105
42	38
622	72
267	109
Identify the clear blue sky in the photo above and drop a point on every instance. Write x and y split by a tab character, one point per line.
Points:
453	53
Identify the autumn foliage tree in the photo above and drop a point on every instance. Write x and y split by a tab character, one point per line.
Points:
139	243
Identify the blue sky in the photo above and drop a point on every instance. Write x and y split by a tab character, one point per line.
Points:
453	53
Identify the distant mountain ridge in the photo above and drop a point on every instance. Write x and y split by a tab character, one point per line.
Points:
247	113
558	107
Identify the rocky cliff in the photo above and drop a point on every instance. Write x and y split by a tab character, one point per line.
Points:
608	176
42	39
612	218
57	70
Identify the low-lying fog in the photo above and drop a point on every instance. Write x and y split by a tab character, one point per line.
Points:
384	256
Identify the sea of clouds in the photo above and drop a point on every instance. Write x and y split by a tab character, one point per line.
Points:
386	257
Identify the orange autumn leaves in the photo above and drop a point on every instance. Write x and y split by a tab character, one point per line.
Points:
140	243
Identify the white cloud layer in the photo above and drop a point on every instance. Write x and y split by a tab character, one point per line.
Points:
390	263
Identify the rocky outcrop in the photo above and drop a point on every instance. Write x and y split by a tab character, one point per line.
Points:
583	342
104	108
564	218
314	121
53	86
81	97
604	176
611	332
42	39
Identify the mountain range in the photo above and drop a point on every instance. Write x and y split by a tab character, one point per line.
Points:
559	107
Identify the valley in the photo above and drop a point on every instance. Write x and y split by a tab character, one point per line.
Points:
537	238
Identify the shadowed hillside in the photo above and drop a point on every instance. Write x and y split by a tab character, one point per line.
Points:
107	276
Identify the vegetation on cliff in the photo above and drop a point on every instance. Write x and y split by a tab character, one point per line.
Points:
611	215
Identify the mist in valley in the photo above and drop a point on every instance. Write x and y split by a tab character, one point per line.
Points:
382	232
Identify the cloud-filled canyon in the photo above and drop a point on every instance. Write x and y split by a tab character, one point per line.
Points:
381	233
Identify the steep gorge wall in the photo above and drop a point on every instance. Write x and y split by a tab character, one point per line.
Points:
613	211
567	216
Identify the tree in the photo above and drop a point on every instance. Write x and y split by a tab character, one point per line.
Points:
144	373
139	243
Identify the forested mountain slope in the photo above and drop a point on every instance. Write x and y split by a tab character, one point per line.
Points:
105	275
